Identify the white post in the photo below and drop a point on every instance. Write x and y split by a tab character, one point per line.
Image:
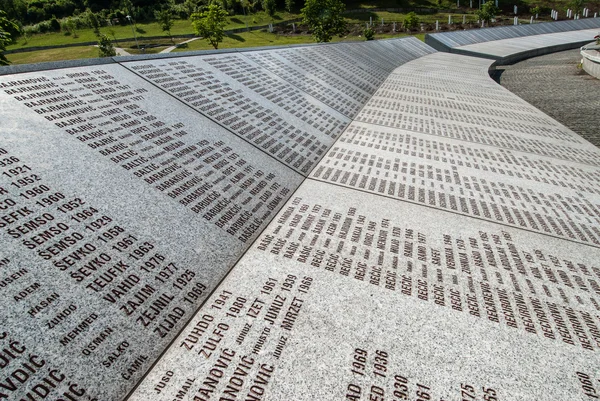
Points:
371	21
595	15
464	19
449	19
470	3
437	25
531	20
457	3
482	23
394	28
496	3
293	27
515	9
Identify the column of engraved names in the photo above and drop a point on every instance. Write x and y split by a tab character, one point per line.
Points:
92	256
209	177
499	136
434	184
236	339
332	88
379	375
246	117
487	276
495	160
29	374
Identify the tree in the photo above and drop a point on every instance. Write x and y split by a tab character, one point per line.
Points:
289	5
411	21
8	32
105	46
577	6
210	24
71	26
164	18
324	17
269	7
5	40
93	22
487	11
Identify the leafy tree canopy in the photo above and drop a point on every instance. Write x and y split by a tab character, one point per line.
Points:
488	11
324	17
105	46
165	18
210	24
8	31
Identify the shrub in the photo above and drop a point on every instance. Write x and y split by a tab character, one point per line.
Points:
411	21
105	46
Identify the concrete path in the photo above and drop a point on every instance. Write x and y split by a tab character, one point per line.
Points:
171	48
122	52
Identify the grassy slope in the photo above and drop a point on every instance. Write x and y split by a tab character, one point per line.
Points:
181	27
71	53
259	38
245	39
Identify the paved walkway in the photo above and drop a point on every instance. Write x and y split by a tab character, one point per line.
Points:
555	85
122	52
171	48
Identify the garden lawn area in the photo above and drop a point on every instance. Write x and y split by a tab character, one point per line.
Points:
124	32
40	56
263	38
249	39
245	39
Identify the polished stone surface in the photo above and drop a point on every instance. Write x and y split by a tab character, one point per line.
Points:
348	221
414	263
121	211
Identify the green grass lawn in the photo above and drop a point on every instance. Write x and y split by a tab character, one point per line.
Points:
261	38
249	39
40	56
144	30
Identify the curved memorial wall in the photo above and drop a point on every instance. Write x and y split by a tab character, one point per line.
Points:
508	44
369	221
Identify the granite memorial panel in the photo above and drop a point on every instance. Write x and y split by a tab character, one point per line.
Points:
348	295
121	209
251	102
441	246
